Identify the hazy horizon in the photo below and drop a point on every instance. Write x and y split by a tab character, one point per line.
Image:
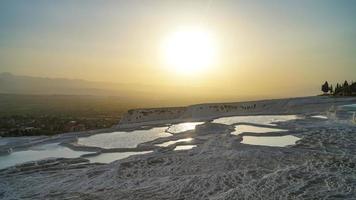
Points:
261	49
138	94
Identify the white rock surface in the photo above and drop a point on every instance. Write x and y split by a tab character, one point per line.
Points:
322	165
139	117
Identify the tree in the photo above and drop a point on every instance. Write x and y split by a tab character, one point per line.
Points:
346	84
337	89
331	89
353	87
346	89
325	87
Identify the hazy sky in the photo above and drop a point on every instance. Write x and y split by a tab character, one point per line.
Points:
266	49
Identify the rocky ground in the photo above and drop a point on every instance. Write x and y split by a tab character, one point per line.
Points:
322	165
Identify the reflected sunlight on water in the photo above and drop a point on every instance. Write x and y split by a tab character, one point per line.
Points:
177	128
184	147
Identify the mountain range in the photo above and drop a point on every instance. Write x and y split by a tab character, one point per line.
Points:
145	94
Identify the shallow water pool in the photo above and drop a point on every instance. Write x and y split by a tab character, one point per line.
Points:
254	129
53	150
319	117
184	147
274	141
123	139
350	105
177	128
257	119
110	157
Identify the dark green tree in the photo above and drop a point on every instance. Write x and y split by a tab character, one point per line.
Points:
346	84
337	89
331	89
346	89
353	87
325	87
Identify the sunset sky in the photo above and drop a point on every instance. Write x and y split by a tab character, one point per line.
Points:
261	49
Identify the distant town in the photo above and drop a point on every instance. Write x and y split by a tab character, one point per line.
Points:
30	125
30	115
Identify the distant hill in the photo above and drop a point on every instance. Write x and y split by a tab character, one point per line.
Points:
13	84
143	95
139	94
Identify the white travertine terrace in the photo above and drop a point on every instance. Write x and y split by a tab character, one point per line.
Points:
320	164
139	117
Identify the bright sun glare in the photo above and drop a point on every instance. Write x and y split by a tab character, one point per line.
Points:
189	50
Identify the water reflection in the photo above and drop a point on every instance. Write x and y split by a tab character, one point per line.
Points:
177	128
319	116
350	107
275	141
53	150
123	139
184	147
258	119
110	157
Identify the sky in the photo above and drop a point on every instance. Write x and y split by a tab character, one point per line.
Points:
265	49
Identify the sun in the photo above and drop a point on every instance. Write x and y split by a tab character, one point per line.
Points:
189	50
